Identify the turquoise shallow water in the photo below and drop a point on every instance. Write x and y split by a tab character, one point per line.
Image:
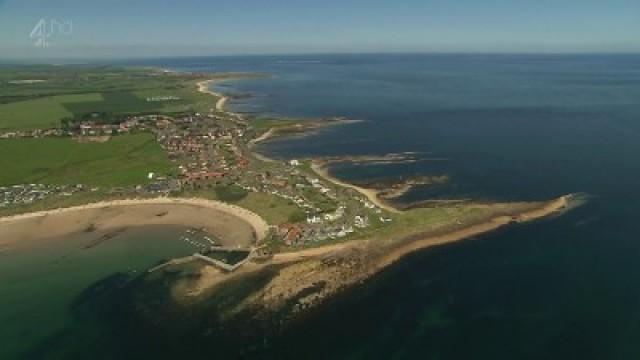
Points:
40	281
507	127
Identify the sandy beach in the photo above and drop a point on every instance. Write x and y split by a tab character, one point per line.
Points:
334	266
370	194
232	225
204	87
263	137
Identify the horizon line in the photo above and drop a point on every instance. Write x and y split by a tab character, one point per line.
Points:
97	58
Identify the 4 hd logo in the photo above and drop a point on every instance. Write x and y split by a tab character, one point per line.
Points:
46	30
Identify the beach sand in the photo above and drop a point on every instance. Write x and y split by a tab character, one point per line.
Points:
263	137
205	87
370	194
232	225
335	266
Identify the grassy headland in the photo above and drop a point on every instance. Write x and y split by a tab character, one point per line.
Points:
326	234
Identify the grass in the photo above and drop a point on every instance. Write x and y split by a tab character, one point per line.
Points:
47	112
75	79
263	124
121	161
230	193
272	209
42	112
113	102
55	202
426	220
73	91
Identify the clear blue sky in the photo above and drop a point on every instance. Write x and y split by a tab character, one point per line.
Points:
188	27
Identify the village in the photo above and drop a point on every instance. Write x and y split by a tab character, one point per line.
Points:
212	151
29	193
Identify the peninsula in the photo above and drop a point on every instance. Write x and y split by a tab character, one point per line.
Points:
187	161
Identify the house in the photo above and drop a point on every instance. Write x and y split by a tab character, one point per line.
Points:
314	220
243	162
85	129
127	125
291	234
203	175
162	123
361	222
91	129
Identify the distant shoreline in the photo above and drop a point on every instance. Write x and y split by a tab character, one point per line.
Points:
370	194
205	88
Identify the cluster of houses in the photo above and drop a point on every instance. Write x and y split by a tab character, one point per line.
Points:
296	187
93	127
204	150
300	234
28	193
160	186
292	186
96	127
37	133
162	98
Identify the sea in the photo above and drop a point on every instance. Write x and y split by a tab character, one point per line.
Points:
502	128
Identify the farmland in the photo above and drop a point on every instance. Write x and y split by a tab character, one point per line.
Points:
124	160
40	97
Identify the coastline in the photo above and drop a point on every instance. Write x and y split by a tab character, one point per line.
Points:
370	194
404	248
263	137
336	266
340	266
135	212
547	209
204	87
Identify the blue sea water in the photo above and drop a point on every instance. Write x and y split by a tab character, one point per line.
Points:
503	127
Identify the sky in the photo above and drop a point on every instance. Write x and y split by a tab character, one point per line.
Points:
132	28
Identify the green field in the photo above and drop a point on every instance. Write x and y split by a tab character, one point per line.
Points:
123	160
272	209
43	112
72	92
75	79
263	124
